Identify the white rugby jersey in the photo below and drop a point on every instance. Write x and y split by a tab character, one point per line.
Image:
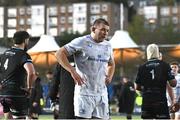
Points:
176	89
91	61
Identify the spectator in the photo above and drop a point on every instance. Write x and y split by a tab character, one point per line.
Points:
46	87
126	97
36	96
63	86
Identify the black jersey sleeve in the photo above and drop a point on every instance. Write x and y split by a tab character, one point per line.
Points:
26	58
138	77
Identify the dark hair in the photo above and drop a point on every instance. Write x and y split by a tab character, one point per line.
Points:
49	72
100	20
20	36
174	63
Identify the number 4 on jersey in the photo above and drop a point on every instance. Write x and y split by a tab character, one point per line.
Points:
6	64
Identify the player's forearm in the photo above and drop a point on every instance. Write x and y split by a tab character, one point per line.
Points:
111	69
62	59
170	92
30	79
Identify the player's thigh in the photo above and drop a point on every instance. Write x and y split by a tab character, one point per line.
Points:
84	106
19	106
102	108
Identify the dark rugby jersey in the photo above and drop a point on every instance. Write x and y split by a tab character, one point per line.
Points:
13	73
153	76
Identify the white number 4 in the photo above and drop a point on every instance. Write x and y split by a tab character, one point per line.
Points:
6	64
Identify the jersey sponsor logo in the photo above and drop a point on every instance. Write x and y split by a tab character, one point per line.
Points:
97	59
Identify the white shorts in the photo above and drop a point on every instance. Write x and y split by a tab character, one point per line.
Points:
91	106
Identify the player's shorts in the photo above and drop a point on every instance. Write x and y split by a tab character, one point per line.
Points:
91	106
178	112
17	106
155	111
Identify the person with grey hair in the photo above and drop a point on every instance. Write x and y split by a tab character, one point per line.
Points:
94	70
151	80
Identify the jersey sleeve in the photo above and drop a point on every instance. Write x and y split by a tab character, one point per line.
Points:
139	77
74	46
26	59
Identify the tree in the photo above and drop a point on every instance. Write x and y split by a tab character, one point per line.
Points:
137	30
165	2
160	34
66	38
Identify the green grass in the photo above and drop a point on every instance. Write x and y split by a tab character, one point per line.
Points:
115	117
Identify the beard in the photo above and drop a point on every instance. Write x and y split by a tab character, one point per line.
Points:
25	48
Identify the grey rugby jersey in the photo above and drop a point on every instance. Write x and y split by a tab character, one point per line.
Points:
91	61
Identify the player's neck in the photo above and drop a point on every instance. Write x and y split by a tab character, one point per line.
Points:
93	37
20	46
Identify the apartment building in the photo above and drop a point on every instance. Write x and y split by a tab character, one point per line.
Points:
54	19
157	15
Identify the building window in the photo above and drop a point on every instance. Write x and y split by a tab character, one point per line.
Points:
70	19
11	32
21	21
105	17
93	18
52	21
62	20
12	12
175	20
104	7
70	9
164	11
1	20
95	8
63	9
53	31
28	11
164	21
1	32
81	20
52	11
62	29
175	10
28	21
21	11
142	3
70	30
12	23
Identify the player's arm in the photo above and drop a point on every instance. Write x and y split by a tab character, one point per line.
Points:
110	71
170	92
62	59
138	87
31	76
172	82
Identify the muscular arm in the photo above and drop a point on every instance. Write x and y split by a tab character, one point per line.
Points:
138	87
61	56
170	92
173	83
31	76
62	59
110	71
